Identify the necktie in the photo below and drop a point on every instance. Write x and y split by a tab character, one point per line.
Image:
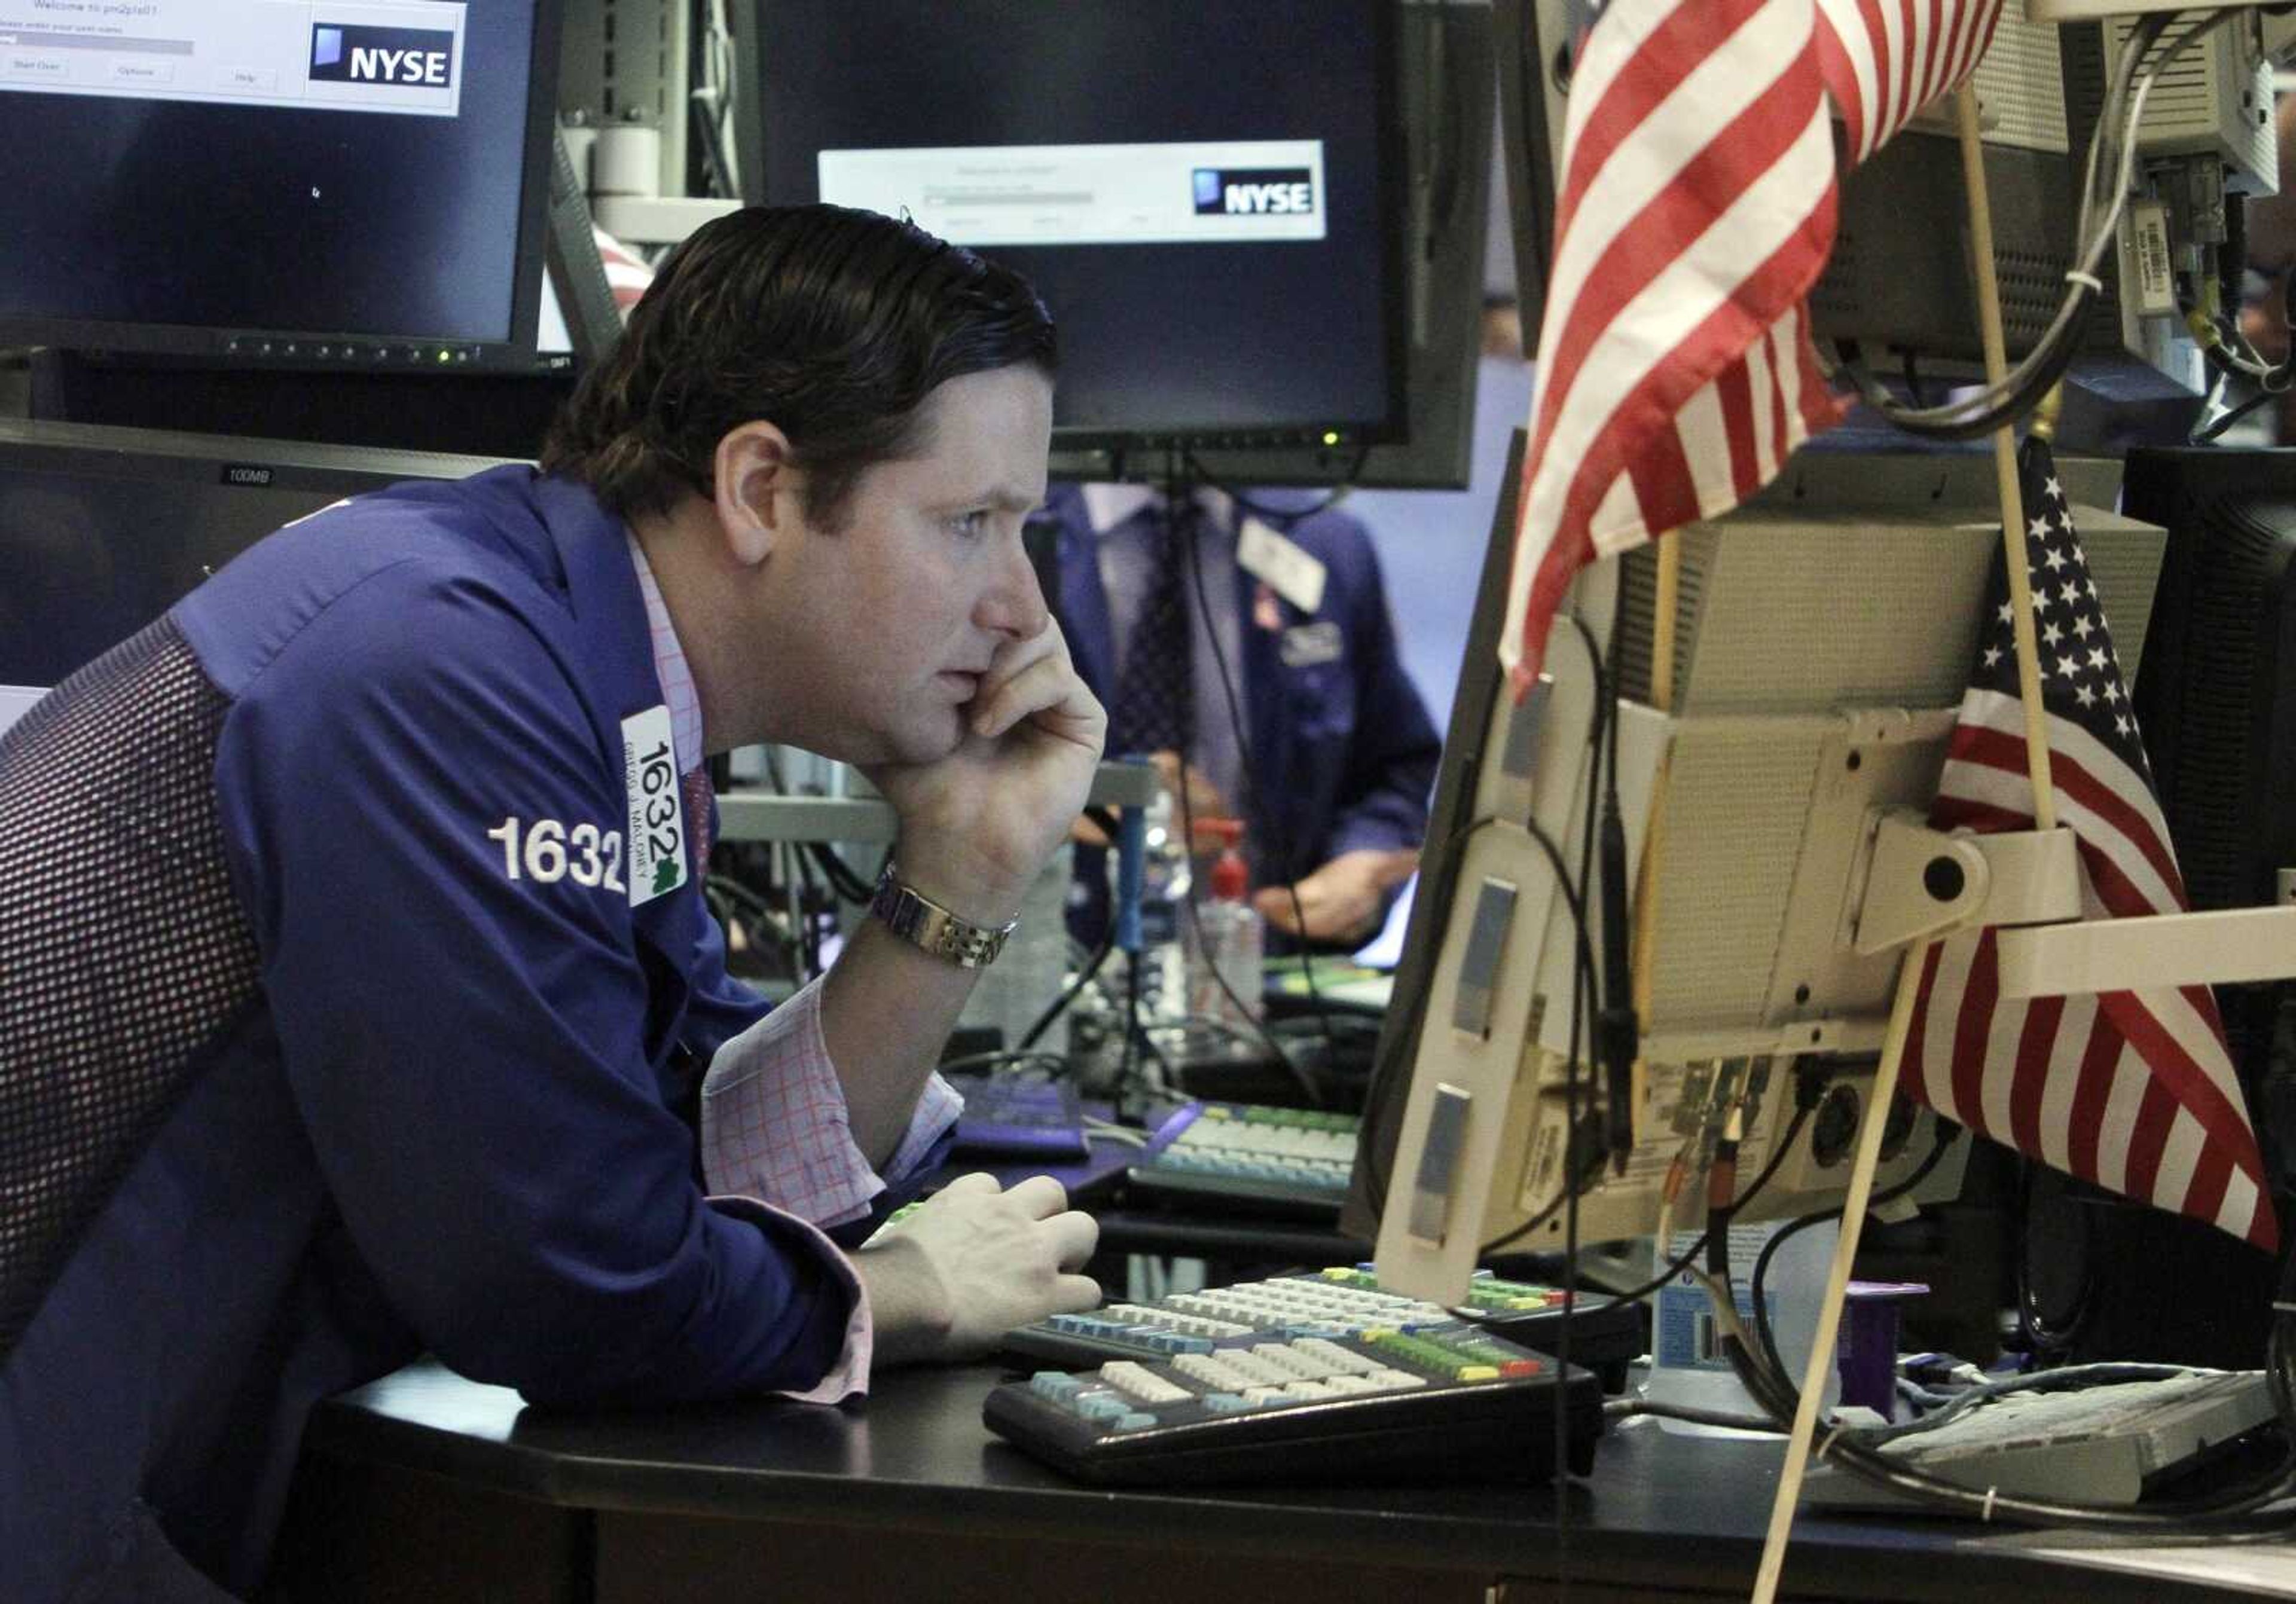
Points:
1154	705
697	793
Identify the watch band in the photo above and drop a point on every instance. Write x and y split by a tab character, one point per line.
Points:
924	922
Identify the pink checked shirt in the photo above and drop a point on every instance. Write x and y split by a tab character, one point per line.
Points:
775	1136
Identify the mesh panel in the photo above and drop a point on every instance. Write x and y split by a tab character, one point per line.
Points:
121	947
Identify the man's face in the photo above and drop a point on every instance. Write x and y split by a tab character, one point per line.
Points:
884	626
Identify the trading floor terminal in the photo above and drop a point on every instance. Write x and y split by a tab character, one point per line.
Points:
1456	1233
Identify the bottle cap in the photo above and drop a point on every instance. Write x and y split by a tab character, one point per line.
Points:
1231	876
1211	829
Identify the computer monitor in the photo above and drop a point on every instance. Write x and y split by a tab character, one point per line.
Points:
1825	633
1534	50
102	530
349	186
2217	701
1259	225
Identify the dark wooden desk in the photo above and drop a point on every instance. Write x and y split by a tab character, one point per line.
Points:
426	1486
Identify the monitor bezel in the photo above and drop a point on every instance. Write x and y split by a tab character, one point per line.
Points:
1102	453
350	352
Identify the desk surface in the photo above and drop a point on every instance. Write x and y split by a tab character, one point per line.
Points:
1683	1515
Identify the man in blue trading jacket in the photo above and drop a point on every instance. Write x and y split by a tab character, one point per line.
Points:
353	964
1337	754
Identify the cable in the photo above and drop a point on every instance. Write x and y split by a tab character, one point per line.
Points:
1281	850
847	885
2111	162
727	895
1069	993
1618	1032
1581	987
1777	1157
1995	403
1000	1061
2236	1509
1628	1409
1586	1002
1281	517
2217	430
1940	1145
1255	1018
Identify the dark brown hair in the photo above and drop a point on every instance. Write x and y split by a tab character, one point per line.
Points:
833	325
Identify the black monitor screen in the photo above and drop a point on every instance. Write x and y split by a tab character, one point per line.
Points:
1204	194
102	530
196	174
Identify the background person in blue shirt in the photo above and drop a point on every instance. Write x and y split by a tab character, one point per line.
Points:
1328	753
354	973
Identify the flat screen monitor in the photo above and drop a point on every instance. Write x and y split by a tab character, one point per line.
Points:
1533	49
1211	198
337	186
102	530
2217	701
1760	784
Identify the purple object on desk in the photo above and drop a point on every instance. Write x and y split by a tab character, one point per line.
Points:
1867	1353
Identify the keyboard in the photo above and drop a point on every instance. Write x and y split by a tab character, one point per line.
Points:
1251	1158
1448	1402
2107	1443
1020	1115
1606	1334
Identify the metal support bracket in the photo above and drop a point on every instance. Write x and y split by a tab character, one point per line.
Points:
1921	882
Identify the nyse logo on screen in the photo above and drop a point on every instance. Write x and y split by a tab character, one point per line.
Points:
1254	192
344	52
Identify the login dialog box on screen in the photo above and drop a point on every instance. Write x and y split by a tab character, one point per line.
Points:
404	58
1202	191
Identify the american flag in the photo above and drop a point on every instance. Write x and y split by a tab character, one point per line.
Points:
626	276
1696	207
2134	1091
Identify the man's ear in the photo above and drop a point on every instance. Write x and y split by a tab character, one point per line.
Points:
758	485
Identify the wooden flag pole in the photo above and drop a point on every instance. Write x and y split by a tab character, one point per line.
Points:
1845	1251
2005	464
1901	1012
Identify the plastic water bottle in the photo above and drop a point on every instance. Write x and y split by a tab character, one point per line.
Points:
1228	939
1686	1363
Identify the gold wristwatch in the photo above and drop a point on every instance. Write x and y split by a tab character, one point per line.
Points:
924	922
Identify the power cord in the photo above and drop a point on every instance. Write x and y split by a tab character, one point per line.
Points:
1069	993
1280	851
1690	1256
2106	181
1280	518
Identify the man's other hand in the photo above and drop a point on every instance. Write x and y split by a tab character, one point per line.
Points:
1343	901
948	1280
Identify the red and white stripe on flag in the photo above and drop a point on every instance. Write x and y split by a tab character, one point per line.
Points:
1696	208
2134	1091
626	276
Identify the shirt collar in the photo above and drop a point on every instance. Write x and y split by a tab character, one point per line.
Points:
670	665
1105	506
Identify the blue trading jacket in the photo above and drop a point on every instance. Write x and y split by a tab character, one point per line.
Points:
311	1060
1342	748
